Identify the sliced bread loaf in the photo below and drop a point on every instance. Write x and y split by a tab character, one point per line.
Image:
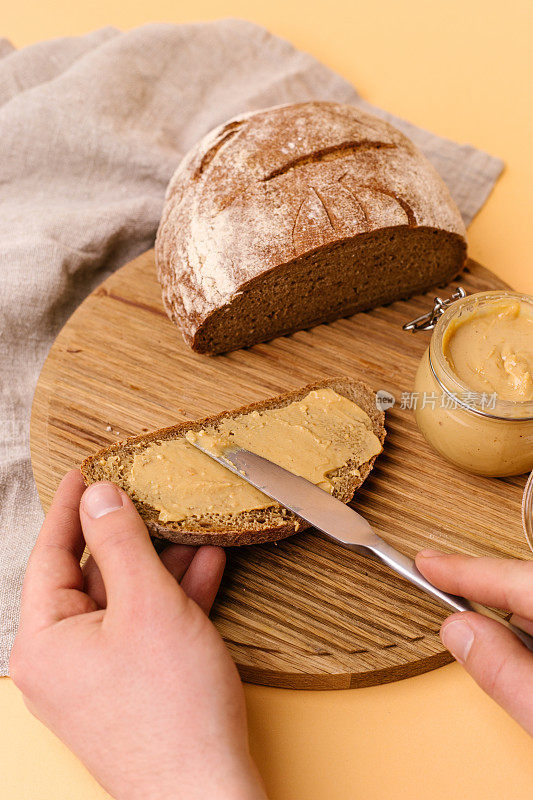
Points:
297	215
115	463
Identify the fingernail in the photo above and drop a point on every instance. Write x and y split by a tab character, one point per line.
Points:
101	499
429	553
458	637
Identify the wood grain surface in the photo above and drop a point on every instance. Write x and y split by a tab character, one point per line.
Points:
304	612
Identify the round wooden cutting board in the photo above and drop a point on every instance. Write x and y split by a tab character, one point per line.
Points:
302	612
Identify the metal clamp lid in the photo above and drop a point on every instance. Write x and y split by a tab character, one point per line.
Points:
426	322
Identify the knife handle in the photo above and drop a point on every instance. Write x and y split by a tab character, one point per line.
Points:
406	567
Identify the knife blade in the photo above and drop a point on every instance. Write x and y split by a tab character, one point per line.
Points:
337	521
307	501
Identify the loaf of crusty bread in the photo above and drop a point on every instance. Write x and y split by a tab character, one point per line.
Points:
296	215
249	527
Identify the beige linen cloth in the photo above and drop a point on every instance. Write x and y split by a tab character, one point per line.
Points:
91	130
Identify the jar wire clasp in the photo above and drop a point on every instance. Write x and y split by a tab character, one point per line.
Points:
426	322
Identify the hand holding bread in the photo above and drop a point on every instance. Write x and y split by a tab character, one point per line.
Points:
120	659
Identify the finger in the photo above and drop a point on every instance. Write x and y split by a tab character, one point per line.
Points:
202	579
94	583
53	582
177	559
497	661
498	582
119	543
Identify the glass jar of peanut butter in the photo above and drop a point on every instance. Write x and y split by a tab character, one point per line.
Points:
474	385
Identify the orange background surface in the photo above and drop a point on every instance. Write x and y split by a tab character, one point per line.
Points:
463	69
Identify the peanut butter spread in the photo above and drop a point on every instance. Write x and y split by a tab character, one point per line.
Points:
311	437
490	349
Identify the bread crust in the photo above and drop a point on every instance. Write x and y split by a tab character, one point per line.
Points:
232	535
269	188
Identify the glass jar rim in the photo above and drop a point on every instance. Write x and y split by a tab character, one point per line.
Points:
510	410
527	511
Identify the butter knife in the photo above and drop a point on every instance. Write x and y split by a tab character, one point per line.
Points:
338	522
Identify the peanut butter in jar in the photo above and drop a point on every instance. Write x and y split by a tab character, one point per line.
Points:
474	385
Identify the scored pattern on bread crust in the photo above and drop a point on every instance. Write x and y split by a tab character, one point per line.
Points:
327	154
227	132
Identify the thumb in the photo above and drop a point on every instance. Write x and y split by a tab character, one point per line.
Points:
496	660
119	543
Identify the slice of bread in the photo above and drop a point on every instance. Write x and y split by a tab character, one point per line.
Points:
247	527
